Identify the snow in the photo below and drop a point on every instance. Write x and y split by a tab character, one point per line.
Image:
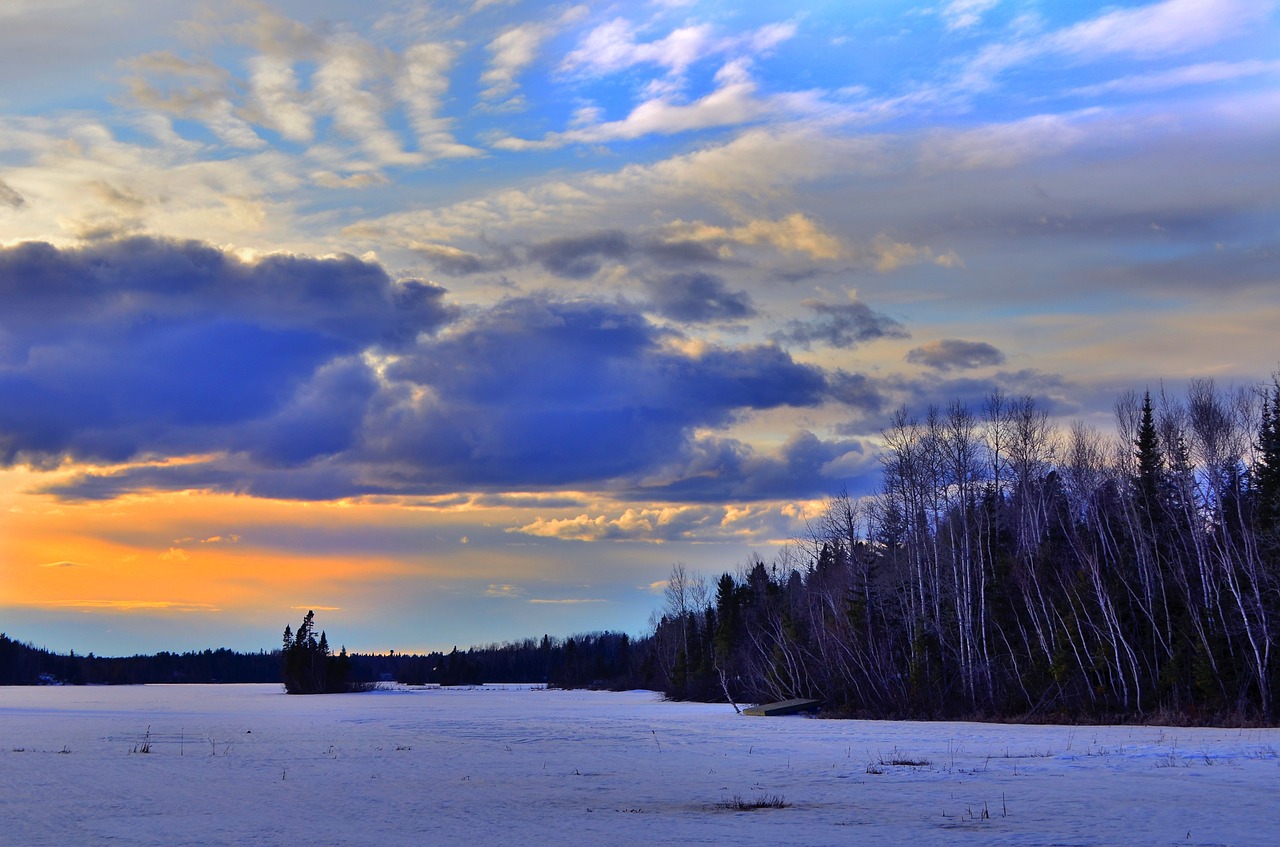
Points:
511	765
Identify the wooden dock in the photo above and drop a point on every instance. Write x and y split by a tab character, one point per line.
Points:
784	707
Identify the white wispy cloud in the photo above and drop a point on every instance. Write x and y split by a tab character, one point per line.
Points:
276	100
167	83
1168	28
567	601
734	102
1203	73
615	46
963	14
342	88
422	84
1158	29
129	606
515	49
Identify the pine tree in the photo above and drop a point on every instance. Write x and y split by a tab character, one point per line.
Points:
1150	471
1266	473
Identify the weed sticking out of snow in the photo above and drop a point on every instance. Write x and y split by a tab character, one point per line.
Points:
737	803
899	759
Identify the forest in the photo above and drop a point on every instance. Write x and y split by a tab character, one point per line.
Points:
1006	569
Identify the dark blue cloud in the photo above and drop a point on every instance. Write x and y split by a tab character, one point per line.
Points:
146	346
840	325
141	350
955	354
531	394
455	262
580	256
856	391
696	297
572	257
1049	391
537	392
718	469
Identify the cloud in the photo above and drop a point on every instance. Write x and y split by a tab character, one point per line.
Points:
423	82
953	354
646	525
963	14
129	606
504	590
1158	29
1203	73
567	601
456	262
712	469
856	391
543	393
794	233
696	297
340	83
580	257
510	53
1151	31
531	394
515	49
887	255
613	46
758	522
170	84
569	256
841	325
733	102
275	99
147	346
1052	392
9	197
298	76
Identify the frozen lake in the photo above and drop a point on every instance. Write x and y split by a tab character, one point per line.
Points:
510	765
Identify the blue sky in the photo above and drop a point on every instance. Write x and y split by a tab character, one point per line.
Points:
465	321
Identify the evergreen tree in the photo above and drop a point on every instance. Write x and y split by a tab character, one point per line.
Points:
1266	472
1149	475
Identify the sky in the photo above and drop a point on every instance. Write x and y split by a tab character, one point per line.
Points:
465	322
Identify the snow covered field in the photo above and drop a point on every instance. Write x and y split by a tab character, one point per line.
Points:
510	765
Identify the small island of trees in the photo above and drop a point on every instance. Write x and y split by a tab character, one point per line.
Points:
307	666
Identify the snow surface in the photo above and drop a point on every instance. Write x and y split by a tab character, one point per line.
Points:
514	765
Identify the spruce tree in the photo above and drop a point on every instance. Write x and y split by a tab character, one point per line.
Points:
1150	471
1266	472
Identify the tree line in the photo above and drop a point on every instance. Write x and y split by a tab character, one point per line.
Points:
1009	568
585	660
24	664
